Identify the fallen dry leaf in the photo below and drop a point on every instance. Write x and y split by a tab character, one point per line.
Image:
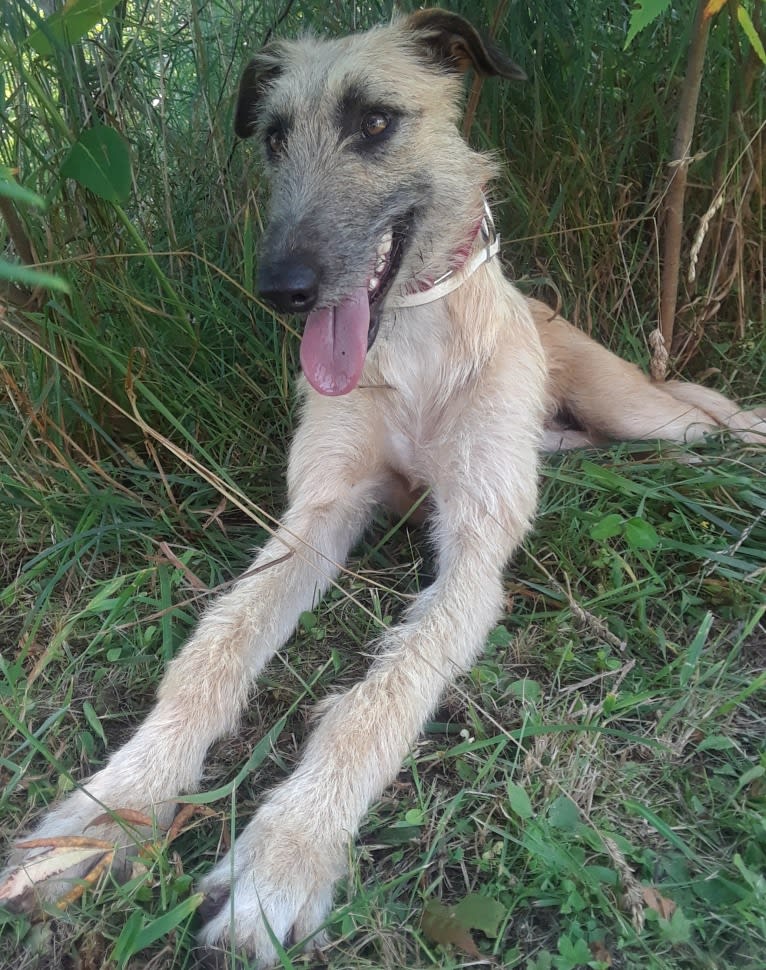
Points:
57	858
660	904
128	815
601	953
183	816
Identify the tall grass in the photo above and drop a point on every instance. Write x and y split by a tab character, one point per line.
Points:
143	428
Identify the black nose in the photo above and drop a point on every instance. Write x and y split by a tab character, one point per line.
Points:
290	284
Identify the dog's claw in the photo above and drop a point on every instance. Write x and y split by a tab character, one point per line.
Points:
214	901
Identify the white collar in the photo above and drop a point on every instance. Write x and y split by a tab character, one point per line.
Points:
453	278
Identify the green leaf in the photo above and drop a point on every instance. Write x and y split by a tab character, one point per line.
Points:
752	774
481	913
136	937
755	880
564	814
537	840
572	954
607	528
100	161
750	32
124	944
307	620
660	826
31	277
92	718
519	800
716	742
526	690
543	961
69	24
415	816
677	929
500	636
610	481
640	534
642	15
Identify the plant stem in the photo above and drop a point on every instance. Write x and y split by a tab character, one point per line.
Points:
674	205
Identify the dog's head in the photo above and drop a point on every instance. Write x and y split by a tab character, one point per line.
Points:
374	192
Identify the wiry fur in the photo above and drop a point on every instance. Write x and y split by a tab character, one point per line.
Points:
453	397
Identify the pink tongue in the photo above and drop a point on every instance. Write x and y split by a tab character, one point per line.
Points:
334	344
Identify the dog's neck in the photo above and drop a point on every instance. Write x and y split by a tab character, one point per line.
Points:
465	264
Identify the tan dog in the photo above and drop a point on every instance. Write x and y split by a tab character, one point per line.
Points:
427	370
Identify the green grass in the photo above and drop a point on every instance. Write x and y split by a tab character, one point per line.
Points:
612	737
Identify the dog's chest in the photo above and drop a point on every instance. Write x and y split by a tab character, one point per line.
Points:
410	439
402	452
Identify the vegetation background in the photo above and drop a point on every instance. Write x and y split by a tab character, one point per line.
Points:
594	793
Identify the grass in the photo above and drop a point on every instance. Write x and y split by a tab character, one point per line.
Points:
604	763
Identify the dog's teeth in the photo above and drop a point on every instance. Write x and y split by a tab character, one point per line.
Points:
384	246
380	266
373	284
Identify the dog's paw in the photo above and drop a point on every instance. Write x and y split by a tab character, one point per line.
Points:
276	884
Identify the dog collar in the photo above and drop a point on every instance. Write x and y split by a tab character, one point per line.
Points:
453	278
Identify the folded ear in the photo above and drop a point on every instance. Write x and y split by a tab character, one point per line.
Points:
264	68
452	42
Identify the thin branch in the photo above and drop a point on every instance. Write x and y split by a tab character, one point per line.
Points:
674	205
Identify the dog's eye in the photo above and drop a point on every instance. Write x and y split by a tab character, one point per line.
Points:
276	141
374	123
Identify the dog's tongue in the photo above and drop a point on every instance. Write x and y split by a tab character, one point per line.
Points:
334	344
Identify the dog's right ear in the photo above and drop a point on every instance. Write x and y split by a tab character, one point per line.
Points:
262	70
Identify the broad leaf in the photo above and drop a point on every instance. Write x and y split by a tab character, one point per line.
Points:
69	24
453	924
644	13
640	534
519	800
441	924
752	34
481	913
607	528
564	814
100	161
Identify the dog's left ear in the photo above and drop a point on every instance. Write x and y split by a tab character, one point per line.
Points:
264	68
455	44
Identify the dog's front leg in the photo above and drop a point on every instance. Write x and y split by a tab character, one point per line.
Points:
277	881
207	685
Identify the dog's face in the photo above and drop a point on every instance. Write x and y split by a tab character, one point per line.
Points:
368	176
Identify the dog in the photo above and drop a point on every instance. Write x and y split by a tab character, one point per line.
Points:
423	368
